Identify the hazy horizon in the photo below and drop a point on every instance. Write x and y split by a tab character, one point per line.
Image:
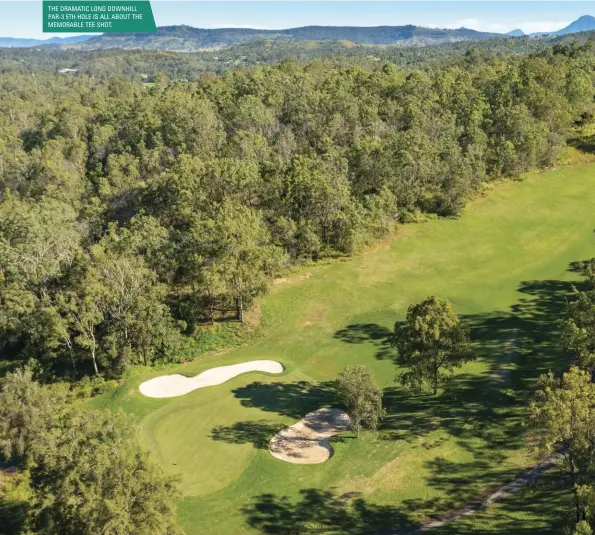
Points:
23	19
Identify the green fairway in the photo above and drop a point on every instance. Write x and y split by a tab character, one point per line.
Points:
505	266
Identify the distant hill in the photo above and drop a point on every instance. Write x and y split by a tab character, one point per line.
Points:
188	38
15	42
586	23
144	64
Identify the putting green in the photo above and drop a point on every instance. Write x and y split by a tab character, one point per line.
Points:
505	267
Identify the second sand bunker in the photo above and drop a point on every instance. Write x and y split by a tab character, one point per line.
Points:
306	441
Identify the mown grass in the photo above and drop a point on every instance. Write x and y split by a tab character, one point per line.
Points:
505	264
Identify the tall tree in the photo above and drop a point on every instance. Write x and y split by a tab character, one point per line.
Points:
85	316
562	418
358	391
91	477
432	343
37	240
578	329
27	414
88	474
230	256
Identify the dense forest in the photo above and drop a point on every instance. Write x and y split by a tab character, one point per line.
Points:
136	218
131	217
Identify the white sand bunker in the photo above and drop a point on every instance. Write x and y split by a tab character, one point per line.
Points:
171	386
306	441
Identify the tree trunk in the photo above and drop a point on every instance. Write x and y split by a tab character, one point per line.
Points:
73	362
68	343
435	379
240	307
93	355
574	490
94	363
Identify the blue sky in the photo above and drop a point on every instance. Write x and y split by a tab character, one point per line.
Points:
23	18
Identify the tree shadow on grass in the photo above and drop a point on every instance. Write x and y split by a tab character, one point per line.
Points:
318	511
543	507
378	335
257	433
580	267
287	399
485	413
518	345
484	416
474	423
542	503
461	484
584	144
535	320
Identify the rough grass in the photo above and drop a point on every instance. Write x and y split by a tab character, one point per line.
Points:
506	266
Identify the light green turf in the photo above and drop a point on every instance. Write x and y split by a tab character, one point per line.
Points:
504	265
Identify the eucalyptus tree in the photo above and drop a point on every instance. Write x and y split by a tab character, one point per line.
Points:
359	392
431	344
562	418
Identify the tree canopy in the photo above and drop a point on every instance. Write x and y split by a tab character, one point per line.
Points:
563	419
432	343
86	472
133	215
358	391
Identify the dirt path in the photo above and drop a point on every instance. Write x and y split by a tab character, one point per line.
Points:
476	506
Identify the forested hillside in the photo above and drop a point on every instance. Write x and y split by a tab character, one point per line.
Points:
189	38
131	216
144	64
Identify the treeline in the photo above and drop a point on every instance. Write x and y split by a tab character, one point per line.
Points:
131	216
143	65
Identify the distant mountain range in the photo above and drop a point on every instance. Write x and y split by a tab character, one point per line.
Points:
187	38
584	24
14	42
516	33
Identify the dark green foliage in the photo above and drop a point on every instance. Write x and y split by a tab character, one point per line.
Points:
86	473
562	417
358	391
578	329
432	343
27	413
92	478
132	215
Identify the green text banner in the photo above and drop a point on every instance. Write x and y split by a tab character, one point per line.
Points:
101	16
